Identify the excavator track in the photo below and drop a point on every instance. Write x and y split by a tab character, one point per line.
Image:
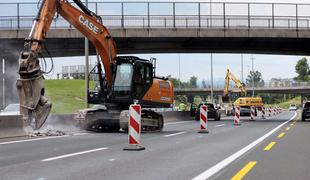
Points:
151	121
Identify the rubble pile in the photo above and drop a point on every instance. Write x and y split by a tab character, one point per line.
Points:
47	132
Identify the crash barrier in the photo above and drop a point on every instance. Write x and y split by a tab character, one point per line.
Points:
203	119
274	111
134	128
237	116
12	126
263	113
252	112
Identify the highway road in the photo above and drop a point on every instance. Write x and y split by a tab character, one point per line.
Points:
178	152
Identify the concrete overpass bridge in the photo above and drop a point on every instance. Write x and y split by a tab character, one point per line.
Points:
168	27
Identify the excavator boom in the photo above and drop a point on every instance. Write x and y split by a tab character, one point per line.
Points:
240	85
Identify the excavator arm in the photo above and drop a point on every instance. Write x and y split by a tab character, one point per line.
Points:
240	85
30	86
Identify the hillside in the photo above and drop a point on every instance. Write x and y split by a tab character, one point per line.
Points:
67	96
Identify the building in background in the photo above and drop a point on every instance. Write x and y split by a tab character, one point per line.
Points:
73	72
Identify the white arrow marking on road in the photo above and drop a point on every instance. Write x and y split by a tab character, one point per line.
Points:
175	134
74	154
216	168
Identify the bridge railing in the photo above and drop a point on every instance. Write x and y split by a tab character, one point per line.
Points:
174	15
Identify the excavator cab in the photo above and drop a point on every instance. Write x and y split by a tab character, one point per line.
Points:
132	78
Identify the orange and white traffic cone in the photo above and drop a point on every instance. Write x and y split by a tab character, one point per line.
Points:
237	116
203	119
134	128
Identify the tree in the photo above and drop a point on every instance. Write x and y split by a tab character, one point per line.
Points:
176	82
302	69
255	78
193	82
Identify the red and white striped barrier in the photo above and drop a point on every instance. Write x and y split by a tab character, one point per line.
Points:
252	112
269	112
237	116
274	111
263	113
203	119
134	128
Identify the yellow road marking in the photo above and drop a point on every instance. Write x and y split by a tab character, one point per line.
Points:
269	146
281	135
288	128
244	170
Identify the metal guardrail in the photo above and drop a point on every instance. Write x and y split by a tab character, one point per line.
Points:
174	15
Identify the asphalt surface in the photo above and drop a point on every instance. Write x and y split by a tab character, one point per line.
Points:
178	152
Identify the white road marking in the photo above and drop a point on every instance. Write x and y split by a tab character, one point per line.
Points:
30	140
73	154
111	159
175	134
80	134
180	122
216	168
220	125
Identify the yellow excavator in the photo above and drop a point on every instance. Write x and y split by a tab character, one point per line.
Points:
241	101
240	85
125	80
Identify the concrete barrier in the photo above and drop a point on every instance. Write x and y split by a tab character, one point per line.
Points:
12	126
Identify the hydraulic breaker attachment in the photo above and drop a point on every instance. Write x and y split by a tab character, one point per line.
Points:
30	88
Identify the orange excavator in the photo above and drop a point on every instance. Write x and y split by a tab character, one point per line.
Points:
125	80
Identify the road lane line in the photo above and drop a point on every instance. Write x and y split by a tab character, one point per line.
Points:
30	140
288	128
219	166
292	124
281	135
269	146
81	134
73	154
220	125
175	134
244	170
180	122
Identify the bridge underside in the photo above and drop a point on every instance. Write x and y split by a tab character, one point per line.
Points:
69	42
60	47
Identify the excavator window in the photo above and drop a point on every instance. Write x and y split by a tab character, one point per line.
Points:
123	77
142	79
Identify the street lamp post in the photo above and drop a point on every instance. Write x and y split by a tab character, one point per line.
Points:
179	71
86	66
253	82
211	78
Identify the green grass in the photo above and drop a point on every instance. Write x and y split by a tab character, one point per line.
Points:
287	103
295	100
67	96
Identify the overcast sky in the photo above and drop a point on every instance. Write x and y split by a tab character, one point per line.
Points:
199	64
